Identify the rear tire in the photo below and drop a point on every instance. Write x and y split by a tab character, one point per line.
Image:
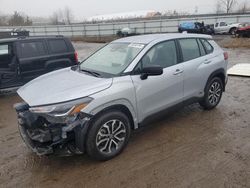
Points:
213	94
108	135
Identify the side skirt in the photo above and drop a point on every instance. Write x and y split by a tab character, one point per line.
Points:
162	114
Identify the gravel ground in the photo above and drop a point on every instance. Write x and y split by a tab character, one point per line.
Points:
189	148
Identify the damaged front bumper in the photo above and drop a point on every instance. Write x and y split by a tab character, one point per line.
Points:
47	135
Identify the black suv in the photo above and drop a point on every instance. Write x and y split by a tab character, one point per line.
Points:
23	59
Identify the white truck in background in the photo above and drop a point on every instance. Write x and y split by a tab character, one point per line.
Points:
223	27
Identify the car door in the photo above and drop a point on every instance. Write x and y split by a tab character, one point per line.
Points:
159	92
216	28
32	55
195	64
223	27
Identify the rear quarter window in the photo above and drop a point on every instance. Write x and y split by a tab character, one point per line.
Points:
208	47
202	50
58	46
32	49
214	44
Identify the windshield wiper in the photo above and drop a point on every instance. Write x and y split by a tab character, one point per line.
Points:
96	74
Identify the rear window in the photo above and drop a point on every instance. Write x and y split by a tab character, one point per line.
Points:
32	49
190	49
208	47
58	46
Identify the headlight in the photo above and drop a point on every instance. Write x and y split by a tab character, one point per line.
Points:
63	109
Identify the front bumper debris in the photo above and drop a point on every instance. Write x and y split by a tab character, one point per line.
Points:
44	135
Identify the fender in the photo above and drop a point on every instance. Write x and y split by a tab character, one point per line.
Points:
215	73
81	131
113	104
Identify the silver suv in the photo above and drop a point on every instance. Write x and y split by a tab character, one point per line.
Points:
94	106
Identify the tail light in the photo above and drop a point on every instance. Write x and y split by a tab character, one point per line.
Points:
225	56
76	57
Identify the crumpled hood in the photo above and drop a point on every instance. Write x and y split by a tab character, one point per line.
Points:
60	86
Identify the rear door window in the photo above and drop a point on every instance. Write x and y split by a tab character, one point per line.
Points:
190	49
58	46
32	49
6	55
4	49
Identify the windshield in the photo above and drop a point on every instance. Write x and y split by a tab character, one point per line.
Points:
113	58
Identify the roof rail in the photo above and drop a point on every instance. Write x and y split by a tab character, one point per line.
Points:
21	37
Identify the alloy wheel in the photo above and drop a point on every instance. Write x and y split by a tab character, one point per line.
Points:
111	136
214	93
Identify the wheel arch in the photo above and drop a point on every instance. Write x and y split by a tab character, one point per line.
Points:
218	73
230	30
120	105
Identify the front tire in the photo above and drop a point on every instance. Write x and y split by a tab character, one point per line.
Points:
213	94
108	135
232	31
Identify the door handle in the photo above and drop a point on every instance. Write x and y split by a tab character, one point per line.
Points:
207	61
178	71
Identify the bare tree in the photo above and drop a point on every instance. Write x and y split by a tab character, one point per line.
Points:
218	8
3	20
19	19
243	7
227	5
28	21
60	16
54	18
68	15
16	19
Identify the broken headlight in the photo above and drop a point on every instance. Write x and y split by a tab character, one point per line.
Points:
63	109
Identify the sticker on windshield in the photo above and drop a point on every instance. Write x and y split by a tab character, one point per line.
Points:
134	45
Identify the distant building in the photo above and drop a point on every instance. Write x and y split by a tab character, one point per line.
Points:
152	14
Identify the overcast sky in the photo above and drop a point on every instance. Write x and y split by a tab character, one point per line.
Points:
86	8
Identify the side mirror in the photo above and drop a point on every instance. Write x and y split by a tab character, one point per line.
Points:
151	71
